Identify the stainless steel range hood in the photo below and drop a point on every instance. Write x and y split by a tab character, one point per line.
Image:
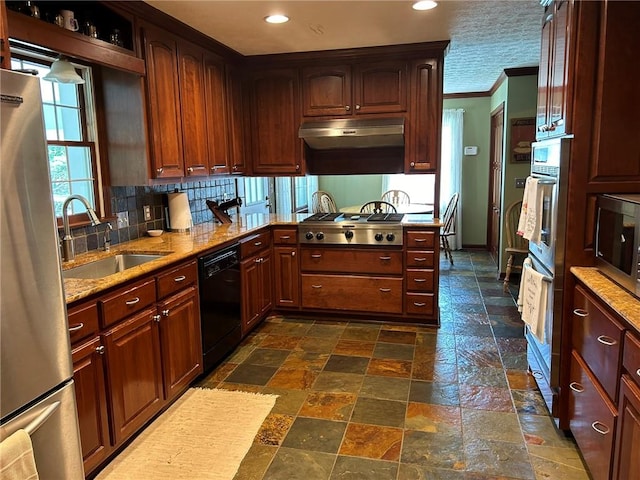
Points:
369	133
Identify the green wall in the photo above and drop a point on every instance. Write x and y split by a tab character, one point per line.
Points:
350	190
474	195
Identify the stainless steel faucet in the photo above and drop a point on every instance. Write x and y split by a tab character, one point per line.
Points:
68	251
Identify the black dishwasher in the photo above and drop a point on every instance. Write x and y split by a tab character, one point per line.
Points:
219	275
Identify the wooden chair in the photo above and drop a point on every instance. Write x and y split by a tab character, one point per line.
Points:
449	226
396	197
323	202
516	245
378	206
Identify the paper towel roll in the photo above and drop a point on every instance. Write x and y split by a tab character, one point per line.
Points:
179	213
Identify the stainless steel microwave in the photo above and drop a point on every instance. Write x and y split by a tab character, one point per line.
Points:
618	240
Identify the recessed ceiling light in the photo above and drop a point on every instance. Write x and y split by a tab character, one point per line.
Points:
276	19
425	5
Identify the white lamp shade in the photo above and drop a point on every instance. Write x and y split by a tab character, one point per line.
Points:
63	72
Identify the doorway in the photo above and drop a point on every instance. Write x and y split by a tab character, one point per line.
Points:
495	182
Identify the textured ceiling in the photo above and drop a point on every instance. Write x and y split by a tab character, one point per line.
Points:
486	36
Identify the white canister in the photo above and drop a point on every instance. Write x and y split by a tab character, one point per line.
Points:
179	212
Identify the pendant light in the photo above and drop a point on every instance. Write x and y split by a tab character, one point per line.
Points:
63	72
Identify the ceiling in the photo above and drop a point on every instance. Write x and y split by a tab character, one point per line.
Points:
486	36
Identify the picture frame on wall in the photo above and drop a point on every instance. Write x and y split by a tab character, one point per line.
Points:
523	134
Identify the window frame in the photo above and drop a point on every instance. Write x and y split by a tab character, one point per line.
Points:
92	119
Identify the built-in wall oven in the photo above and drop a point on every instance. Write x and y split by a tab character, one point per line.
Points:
549	165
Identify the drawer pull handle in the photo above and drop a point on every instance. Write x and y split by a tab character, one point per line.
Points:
576	387
580	312
537	374
316	255
385	290
285	237
181	278
132	302
385	258
77	327
420	259
419	280
420	304
257	244
600	427
316	286
605	340
420	240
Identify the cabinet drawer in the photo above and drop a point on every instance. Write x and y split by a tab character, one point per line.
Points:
342	292
597	337
126	301
177	279
285	236
631	357
348	260
421	239
83	321
419	303
420	259
592	419
420	280
254	243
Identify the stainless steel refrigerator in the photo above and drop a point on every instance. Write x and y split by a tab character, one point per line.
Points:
36	373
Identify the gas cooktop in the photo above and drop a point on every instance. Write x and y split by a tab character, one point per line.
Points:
356	217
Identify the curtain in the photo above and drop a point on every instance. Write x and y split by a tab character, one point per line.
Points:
451	167
312	186
283	195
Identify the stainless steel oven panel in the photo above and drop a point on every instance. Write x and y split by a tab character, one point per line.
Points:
545	249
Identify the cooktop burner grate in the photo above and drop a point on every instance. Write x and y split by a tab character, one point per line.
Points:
385	217
322	217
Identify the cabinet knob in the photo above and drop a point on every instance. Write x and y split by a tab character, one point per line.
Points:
412	164
100	350
357	107
156	318
235	167
297	166
293	254
213	169
165	313
190	169
347	107
160	170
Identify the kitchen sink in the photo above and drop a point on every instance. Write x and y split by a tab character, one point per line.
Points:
110	265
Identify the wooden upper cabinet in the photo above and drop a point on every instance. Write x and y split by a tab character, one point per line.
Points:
275	118
364	88
165	123
551	117
193	109
5	57
217	117
236	114
424	124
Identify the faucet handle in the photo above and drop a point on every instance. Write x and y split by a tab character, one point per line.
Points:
107	237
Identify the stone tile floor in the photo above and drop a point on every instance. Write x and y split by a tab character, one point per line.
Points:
381	401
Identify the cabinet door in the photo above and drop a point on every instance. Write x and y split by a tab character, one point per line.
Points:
236	129
380	87
251	286
275	120
422	131
558	79
217	119
266	293
544	72
5	56
286	274
326	91
91	398
180	341
134	372
163	103
627	463
192	109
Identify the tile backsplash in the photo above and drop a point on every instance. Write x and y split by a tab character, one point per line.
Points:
133	199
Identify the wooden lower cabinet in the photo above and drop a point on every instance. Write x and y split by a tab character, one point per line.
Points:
134	370
286	274
91	398
180	341
627	464
255	275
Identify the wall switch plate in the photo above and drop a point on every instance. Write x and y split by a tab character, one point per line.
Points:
123	219
471	150
520	182
147	213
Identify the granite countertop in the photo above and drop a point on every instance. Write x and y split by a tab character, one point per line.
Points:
625	304
176	247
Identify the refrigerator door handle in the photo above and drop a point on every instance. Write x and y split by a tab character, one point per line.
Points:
37	422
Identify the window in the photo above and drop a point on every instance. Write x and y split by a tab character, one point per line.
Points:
69	121
300	199
421	188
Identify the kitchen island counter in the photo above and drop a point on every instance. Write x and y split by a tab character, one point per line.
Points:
176	247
